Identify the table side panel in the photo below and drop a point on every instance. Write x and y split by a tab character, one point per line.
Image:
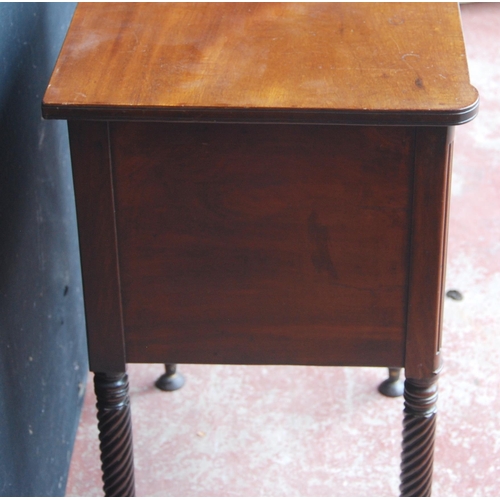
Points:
266	244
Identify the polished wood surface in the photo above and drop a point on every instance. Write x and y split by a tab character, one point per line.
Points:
262	244
432	171
92	180
419	429
115	434
306	62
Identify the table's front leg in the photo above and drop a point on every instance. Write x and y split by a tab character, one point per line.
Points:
418	436
431	193
115	434
92	177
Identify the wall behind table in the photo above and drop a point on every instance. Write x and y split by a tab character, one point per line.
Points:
43	360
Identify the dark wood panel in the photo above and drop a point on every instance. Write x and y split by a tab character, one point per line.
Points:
318	62
263	244
428	256
97	234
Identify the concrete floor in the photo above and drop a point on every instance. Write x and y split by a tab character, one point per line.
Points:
309	431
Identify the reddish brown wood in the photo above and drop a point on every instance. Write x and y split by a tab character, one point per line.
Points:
97	234
418	437
428	251
263	244
115	434
307	62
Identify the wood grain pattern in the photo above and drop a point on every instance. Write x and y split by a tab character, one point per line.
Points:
263	244
305	62
428	254
97	235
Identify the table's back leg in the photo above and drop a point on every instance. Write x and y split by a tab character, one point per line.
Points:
115	433
418	436
171	380
393	386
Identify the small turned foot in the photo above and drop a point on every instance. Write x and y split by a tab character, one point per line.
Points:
393	386
418	437
115	434
170	380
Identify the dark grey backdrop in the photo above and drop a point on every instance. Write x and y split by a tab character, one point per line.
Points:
43	361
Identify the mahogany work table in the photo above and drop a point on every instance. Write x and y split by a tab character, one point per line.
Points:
263	184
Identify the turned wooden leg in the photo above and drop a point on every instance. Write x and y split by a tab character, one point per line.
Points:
115	434
170	380
393	386
418	437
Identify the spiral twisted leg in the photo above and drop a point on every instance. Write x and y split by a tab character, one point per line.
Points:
418	437
115	434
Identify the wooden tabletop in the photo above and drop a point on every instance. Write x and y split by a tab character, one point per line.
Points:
279	62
